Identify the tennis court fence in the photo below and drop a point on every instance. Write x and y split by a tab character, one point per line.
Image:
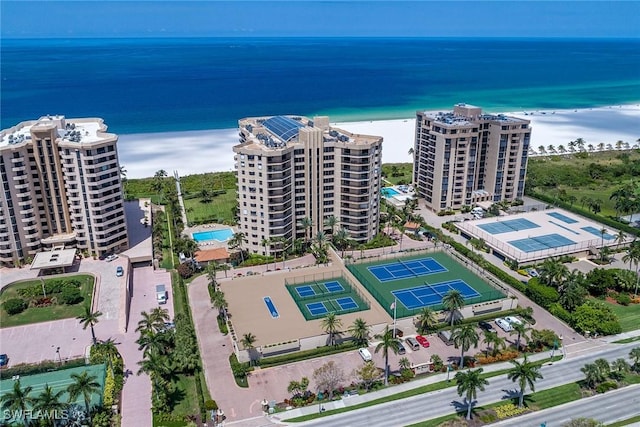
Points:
392	256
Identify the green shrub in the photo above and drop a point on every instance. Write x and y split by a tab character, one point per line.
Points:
71	295
541	294
304	355
623	299
210	405
14	306
560	312
595	317
606	386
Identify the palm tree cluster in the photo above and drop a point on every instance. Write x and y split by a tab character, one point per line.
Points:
19	399
626	199
166	353
601	370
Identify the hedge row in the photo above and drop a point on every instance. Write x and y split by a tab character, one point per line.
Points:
304	355
40	368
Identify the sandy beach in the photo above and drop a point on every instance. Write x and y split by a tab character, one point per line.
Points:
193	152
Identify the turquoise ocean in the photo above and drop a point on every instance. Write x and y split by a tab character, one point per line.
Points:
163	85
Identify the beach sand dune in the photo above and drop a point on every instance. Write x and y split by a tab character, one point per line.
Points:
193	152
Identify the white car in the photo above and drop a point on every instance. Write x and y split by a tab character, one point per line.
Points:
504	325
111	257
513	320
365	354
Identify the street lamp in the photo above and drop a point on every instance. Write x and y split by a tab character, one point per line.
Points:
58	354
448	371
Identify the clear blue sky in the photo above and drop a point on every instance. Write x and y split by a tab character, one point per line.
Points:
267	18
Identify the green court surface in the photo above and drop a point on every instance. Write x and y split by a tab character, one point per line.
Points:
382	290
317	298
58	380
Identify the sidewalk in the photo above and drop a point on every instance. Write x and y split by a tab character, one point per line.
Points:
346	402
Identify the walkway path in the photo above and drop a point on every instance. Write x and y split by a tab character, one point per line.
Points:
183	211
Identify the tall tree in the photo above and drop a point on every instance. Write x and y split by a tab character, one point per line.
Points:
463	338
387	342
331	222
341	240
84	385
521	330
307	224
524	373
633	256
18	400
152	322
248	340
237	241
360	332
212	274
634	355
593	375
220	303
331	324
468	385
89	318
452	302
493	340
49	401
426	320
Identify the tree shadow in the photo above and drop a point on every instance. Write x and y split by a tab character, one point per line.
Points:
174	397
511	394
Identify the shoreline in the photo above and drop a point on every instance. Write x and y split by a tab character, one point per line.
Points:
200	151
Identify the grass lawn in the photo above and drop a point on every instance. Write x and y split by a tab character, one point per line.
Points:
220	209
398	173
45	314
626	422
536	401
188	397
628	315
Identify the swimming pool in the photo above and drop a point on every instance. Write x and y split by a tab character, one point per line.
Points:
220	235
389	192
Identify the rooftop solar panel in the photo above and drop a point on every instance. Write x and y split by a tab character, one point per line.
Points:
284	127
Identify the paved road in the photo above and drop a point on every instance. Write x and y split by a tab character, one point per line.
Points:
443	402
616	405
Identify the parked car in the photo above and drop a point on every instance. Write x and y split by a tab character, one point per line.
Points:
401	349
119	271
504	325
4	360
412	343
111	257
365	354
423	341
485	326
513	320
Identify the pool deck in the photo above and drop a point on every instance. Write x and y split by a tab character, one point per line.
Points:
209	244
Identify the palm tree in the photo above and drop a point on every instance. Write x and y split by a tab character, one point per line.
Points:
552	271
49	401
225	268
468	384
237	241
452	302
18	400
593	375
83	385
360	332
633	256
331	222
265	242
634	354
247	342
493	340
620	238
219	303
158	182
152	322
341	239
521	330
426	320
89	318
463	338
331	325
152	342
109	350
212	273
603	232
525	373
307	224
158	368
387	342
619	367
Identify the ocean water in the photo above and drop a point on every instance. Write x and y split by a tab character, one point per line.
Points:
158	85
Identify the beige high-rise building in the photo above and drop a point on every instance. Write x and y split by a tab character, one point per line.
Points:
293	168
464	157
61	185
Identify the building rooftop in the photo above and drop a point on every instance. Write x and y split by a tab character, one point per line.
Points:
278	131
58	257
456	118
68	130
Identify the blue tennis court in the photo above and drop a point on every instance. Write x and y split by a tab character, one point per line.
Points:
404	269
317	308
432	294
539	243
508	226
347	303
563	218
321	308
307	291
597	232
